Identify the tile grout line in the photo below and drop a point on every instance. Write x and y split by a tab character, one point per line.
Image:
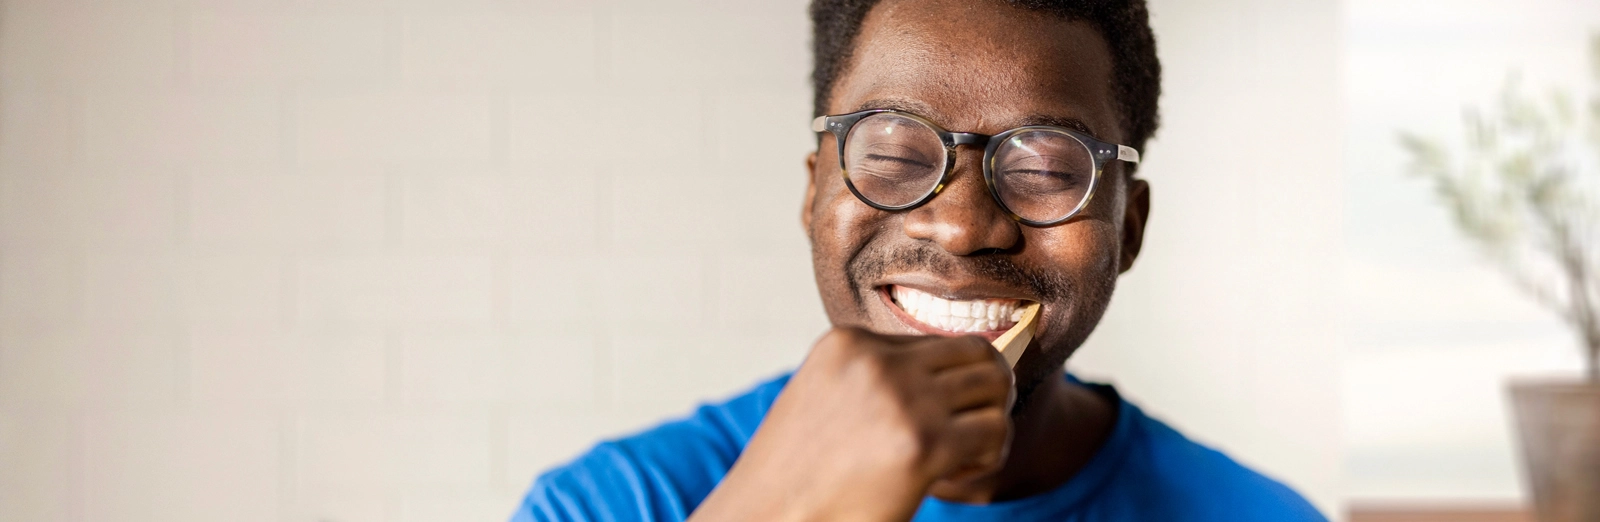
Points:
288	463
499	127
394	34
603	29
394	211
393	367
288	286
182	366
710	268
604	215
182	46
78	484
500	268
288	126
603	355
499	446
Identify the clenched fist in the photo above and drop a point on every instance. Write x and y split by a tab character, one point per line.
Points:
866	425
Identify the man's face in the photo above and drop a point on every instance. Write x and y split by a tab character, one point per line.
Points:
981	67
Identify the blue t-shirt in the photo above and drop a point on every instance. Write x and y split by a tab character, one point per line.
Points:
1145	471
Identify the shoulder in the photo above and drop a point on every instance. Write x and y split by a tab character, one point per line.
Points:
1191	481
658	474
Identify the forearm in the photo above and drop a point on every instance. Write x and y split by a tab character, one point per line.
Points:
747	493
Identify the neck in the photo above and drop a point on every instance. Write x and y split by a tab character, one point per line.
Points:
1058	431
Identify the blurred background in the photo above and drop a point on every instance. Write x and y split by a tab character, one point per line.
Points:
298	260
1434	330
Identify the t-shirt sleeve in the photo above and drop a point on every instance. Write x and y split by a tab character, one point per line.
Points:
661	474
604	484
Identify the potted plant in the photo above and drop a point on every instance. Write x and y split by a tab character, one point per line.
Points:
1526	193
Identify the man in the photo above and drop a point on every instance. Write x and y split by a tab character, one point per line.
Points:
975	157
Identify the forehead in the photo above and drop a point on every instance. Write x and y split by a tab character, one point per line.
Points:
979	66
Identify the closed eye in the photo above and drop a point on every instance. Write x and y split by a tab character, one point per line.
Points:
1064	176
1039	181
900	160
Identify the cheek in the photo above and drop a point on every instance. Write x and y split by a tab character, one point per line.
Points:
834	222
841	226
1082	251
1092	246
1084	254
1074	253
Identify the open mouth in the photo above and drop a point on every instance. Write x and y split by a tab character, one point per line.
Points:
932	314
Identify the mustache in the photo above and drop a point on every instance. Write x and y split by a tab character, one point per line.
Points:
873	262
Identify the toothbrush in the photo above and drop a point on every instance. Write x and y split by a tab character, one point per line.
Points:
1015	341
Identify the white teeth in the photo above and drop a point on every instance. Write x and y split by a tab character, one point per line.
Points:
978	315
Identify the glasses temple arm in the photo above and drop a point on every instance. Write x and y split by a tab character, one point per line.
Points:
1128	154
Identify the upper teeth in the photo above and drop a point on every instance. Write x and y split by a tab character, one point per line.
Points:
981	315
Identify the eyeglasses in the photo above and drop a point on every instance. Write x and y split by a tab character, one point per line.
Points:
1040	174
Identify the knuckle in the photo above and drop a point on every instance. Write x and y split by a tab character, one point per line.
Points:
878	375
976	345
978	349
993	456
917	427
910	441
842	345
968	347
986	383
991	423
999	383
873	365
926	442
986	377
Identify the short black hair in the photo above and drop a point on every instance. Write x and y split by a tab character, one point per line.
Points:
1125	25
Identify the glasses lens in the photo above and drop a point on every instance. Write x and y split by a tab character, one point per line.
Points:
893	160
1042	175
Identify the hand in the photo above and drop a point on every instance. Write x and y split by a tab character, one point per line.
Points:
866	425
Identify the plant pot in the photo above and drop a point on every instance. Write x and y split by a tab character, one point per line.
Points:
1559	425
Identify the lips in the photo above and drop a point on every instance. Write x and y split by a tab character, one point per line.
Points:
934	314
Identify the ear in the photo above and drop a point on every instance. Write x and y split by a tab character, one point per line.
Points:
1134	217
811	192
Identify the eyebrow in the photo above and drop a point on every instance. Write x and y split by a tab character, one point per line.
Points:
1070	123
926	111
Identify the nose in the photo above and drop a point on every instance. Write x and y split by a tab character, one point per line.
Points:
963	218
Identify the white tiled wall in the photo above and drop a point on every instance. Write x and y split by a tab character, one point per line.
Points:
295	260
381	260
